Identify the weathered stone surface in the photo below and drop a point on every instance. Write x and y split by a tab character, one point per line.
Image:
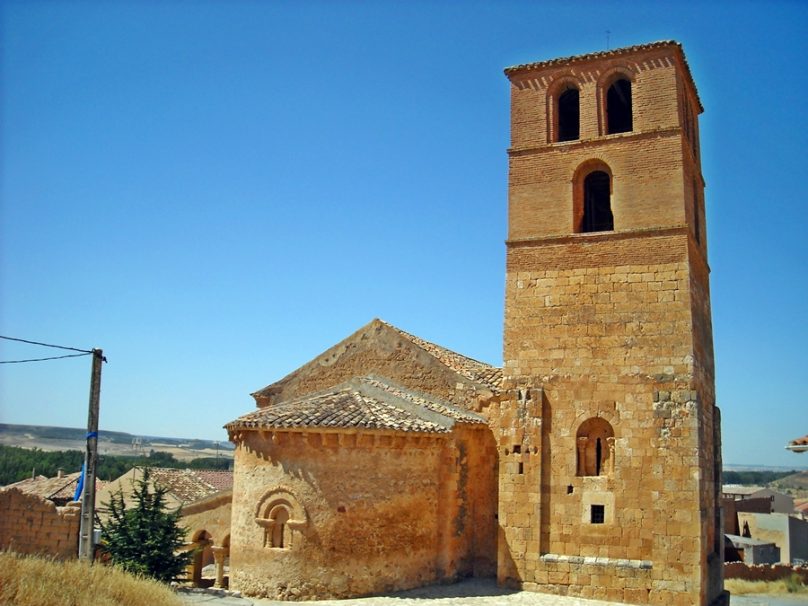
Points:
33	525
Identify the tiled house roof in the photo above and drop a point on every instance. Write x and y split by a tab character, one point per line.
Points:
470	368
362	403
59	489
189	485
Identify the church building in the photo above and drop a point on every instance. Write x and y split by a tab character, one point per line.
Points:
590	464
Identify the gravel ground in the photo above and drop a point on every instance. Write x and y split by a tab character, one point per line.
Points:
473	592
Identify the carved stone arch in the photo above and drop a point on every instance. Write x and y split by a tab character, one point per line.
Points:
560	85
604	83
282	517
612	417
579	193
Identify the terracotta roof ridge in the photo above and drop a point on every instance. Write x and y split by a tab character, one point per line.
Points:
593	55
360	402
427	406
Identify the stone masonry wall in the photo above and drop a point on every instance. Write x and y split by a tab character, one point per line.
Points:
372	512
212	516
610	341
32	525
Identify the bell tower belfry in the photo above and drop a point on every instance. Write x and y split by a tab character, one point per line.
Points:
609	437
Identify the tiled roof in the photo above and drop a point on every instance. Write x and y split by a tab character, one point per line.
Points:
218	479
362	403
741	489
605	55
799	445
188	485
488	375
56	489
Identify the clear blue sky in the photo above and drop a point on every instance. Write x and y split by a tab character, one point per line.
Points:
215	192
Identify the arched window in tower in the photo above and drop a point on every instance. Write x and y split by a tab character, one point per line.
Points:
595	442
597	202
618	108
569	115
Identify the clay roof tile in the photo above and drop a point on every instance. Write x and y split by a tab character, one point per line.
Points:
364	402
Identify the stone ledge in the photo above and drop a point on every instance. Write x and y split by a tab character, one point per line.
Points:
597	561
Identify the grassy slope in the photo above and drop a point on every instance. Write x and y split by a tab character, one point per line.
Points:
31	581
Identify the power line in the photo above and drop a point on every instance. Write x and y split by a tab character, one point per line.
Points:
85	351
78	355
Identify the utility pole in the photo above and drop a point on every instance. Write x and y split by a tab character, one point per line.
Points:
86	537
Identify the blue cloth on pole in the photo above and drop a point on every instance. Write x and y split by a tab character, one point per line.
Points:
80	485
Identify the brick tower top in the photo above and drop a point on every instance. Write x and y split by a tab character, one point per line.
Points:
626	122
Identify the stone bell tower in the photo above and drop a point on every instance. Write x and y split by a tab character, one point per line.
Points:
609	436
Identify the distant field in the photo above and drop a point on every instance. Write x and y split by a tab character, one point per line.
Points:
110	442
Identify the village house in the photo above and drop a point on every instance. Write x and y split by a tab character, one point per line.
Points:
588	465
758	498
788	532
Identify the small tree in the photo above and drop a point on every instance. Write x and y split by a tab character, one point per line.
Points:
145	538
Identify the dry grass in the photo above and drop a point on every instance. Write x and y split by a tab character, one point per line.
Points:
32	581
741	587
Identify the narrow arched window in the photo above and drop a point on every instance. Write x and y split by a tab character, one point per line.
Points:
618	107
596	455
569	115
597	203
279	539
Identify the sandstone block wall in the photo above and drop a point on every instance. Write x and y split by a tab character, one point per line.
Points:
32	525
370	512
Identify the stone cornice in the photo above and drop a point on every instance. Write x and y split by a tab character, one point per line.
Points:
595	142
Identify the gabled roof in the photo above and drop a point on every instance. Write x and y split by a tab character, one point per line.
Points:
380	343
369	403
472	369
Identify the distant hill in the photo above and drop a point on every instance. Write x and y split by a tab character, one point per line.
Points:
797	482
109	442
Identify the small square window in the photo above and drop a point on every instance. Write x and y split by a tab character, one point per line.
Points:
598	514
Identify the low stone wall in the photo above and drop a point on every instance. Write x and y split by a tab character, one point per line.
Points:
763	572
33	525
